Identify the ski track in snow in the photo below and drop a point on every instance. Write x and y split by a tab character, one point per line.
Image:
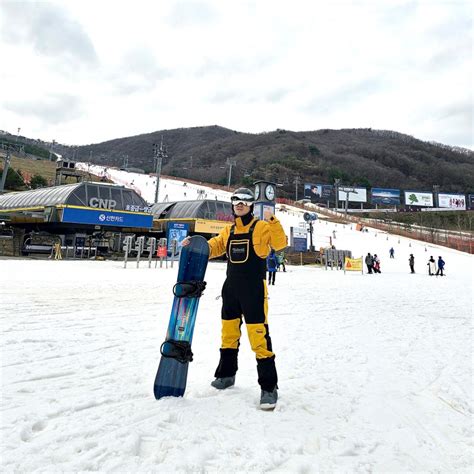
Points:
375	371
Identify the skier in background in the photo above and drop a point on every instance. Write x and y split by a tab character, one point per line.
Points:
411	262
441	264
369	261
247	244
392	252
272	265
281	260
376	264
431	266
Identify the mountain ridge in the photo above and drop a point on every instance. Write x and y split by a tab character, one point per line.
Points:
364	157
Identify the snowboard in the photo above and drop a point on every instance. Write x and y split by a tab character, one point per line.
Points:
170	380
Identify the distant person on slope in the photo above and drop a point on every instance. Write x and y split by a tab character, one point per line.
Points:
392	253
376	265
431	266
272	264
369	261
247	244
441	264
411	262
281	261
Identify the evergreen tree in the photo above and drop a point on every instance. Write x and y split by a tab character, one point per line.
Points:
38	181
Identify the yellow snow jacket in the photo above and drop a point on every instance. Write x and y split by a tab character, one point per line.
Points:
266	235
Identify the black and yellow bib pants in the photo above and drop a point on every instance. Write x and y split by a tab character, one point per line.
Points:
244	296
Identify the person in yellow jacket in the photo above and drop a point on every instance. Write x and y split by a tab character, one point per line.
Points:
247	243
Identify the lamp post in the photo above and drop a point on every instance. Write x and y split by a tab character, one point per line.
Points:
336	185
230	163
296	182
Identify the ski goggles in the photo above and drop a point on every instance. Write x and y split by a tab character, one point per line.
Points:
241	199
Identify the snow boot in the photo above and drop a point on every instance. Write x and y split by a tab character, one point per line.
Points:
223	382
268	400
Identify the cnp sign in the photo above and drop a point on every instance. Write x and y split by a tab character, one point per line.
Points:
102	203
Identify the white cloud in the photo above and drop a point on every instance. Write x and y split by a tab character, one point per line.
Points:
124	68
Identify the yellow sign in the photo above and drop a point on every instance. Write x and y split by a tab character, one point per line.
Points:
209	227
353	264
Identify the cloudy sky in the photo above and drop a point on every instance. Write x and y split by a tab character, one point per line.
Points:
87	71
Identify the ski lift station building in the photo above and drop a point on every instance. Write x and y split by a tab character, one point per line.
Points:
99	214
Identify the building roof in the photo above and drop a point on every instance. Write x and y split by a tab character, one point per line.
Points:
200	209
77	194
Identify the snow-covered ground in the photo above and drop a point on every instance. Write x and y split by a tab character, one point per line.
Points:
375	371
145	185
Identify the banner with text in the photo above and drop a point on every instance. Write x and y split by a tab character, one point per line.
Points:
318	192
353	264
414	198
299	239
452	201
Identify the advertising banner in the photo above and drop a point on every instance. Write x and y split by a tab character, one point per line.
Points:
355	194
318	192
414	198
260	208
452	201
353	264
385	196
470	201
209	227
176	231
299	239
107	218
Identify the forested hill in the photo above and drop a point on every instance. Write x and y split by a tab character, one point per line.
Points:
366	157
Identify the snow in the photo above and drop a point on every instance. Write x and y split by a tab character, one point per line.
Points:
375	371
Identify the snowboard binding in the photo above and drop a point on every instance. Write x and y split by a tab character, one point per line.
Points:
189	289
179	350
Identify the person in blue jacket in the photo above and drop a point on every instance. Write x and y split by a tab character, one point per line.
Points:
272	266
440	266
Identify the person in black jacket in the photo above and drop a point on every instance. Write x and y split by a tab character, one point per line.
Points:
369	261
247	244
411	262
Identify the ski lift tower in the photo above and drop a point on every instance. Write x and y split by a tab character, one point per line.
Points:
159	152
9	148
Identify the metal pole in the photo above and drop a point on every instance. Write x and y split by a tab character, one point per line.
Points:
159	153
230	163
296	181
230	175
436	195
336	185
5	171
158	172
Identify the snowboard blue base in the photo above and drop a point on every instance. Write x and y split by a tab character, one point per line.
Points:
170	380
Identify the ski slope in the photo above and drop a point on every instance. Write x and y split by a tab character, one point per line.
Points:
375	371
